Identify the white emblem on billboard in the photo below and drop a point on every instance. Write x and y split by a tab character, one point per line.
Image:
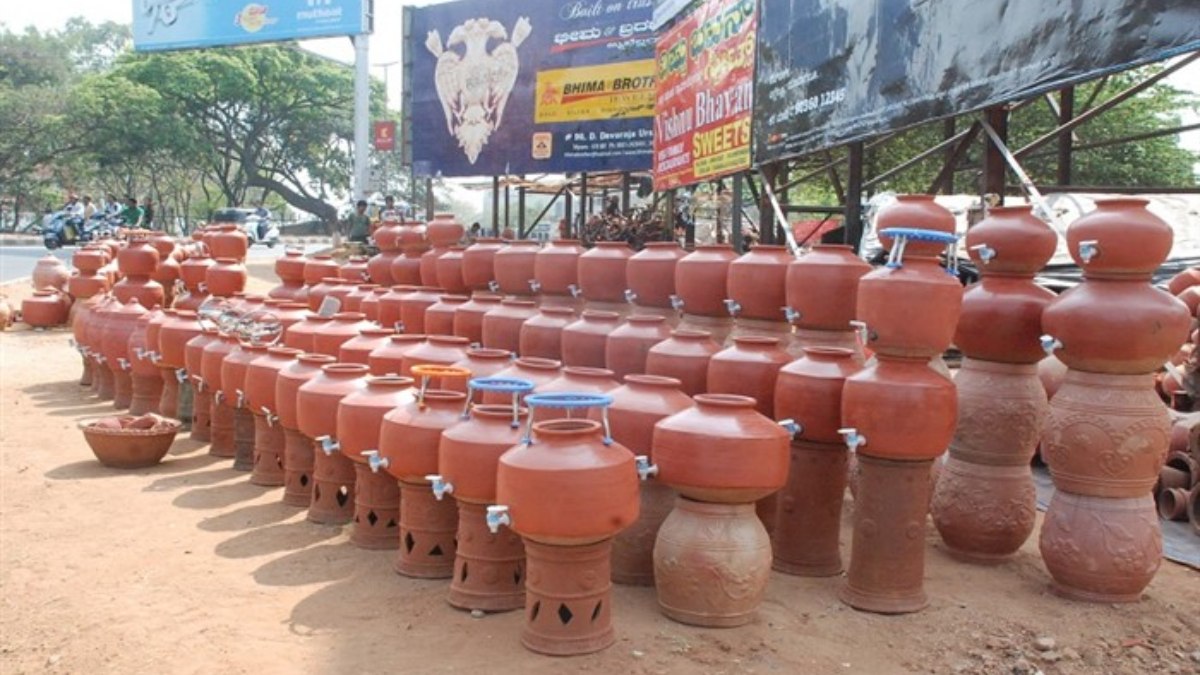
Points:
474	85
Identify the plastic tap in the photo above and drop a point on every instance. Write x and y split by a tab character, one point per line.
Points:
123	363
630	296
676	303
853	438
493	285
733	306
574	290
1050	344
535	285
219	395
181	375
270	417
374	460
440	486
497	515
240	401
140	353
792	427
986	253
328	445
644	468
791	315
398	326
1088	249
864	333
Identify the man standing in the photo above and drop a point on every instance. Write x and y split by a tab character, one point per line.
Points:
358	224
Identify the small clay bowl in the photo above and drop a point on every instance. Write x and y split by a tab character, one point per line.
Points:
131	448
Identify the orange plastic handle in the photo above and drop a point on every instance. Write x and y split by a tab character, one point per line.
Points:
432	370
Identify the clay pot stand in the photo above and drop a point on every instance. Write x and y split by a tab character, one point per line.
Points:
427	533
333	488
376	510
568	598
298	458
268	452
489	569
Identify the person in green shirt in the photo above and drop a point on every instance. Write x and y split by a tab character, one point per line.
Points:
358	223
132	214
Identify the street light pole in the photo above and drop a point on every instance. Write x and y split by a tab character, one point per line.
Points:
386	68
362	114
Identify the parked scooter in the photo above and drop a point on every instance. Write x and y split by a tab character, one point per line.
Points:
261	230
65	229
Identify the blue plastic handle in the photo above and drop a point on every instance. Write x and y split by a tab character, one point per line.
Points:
568	400
503	385
918	234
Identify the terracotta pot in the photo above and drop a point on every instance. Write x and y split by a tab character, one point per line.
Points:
358	349
601	271
468	317
574	380
370	303
166	276
318	398
225	277
911	310
749	368
626	348
413	306
194	271
1191	298
1002	411
298	449
502	325
1051	372
300	334
128	448
411	431
318	267
984	512
685	356
650	273
50	272
333	474
809	392
1147	329
584	341
822	287
469	451
406	269
477	266
194	355
138	259
556	267
122	322
1125	240
756	283
887	555
439	350
290	267
711	563
262	377
388	358
1001	320
379	267
1015	242
390	304
700	280
809	517
87	260
411	237
537	371
377	496
1107	435
1099	549
352	302
354	269
329	336
928	400
80	286
428	267
227	241
444	230
44	309
480	362
449	271
147	384
439	317
920	211
514	267
233	372
574	579
387	236
213	357
567	486
489	569
1178	283
541	335
1173	504
721	450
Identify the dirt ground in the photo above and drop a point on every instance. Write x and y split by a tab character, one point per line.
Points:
187	568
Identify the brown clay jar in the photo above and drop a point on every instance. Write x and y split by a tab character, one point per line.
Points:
370	304
333	472
627	347
354	269
449	271
1130	241
1001	320
477	266
441	350
502	325
749	367
809	392
406	268
390	304
298	448
584	341
871	397
428	269
910	311
329	336
541	335
439	317
556	267
50	272
444	230
576	380
756	283
358	348
388	358
821	287
1016	242
468	317
469	452
480	362
650	274
919	211
413	306
225	277
300	334
685	356
984	512
700	280
226	241
114	345
514	267
318	267
539	372
44	309
998	396
601	271
354	299
146	383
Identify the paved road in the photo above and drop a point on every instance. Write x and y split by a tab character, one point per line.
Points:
17	262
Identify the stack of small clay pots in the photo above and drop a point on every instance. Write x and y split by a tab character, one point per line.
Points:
1108	431
985	502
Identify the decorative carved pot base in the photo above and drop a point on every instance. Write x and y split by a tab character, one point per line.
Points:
333	488
268	453
489	569
427	529
983	512
809	519
298	454
568	599
147	391
1002	411
711	563
633	548
201	415
887	556
222	430
243	439
376	510
122	390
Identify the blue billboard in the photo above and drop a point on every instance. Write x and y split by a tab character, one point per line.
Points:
185	24
537	86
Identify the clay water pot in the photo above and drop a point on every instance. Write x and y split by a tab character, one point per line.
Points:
601	271
721	451
756	283
626	347
1172	504
102	377
225	277
89	259
298	456
537	371
147	383
887	555
468	317
317	399
246	440
50	272
370	303
406	269
194	271
122	322
912	310
138	259
333	473
1002	411
439	350
1001	320
650	274
809	392
146	292
223	443
166	276
808	520
685	356
1149	327
262	377
80	286
358	348
334	287
300	334
449	271
413	306
227	241
411	237
574	380
318	267
388	357
352	302
1178	283
984	512
233	371
821	287
444	230
379	267
930	404
390	306
428	268
44	309
556	267
439	317
514	265
502	325
584	341
477	266
290	267
541	335
270	438
1100	549
1107	435
202	397
749	368
700	280
329	336
387	237
480	362
469	451
1123	240
354	269
1014	241
919	211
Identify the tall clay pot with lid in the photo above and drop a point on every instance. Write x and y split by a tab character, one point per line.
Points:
333	472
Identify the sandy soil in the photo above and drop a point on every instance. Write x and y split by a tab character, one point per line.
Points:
187	568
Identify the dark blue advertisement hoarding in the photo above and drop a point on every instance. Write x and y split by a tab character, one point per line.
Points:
536	86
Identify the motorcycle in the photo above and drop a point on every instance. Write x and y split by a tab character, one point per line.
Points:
66	229
261	230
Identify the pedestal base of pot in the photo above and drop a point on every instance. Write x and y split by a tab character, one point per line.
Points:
887	557
268	453
719	327
427	529
85	378
633	548
243	439
122	389
1101	549
489	569
298	460
984	513
333	488
809	520
376	510
711	563
222	430
201	415
147	392
168	400
185	404
568	599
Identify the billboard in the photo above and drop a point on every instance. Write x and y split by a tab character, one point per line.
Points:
539	86
184	24
833	71
383	135
705	94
